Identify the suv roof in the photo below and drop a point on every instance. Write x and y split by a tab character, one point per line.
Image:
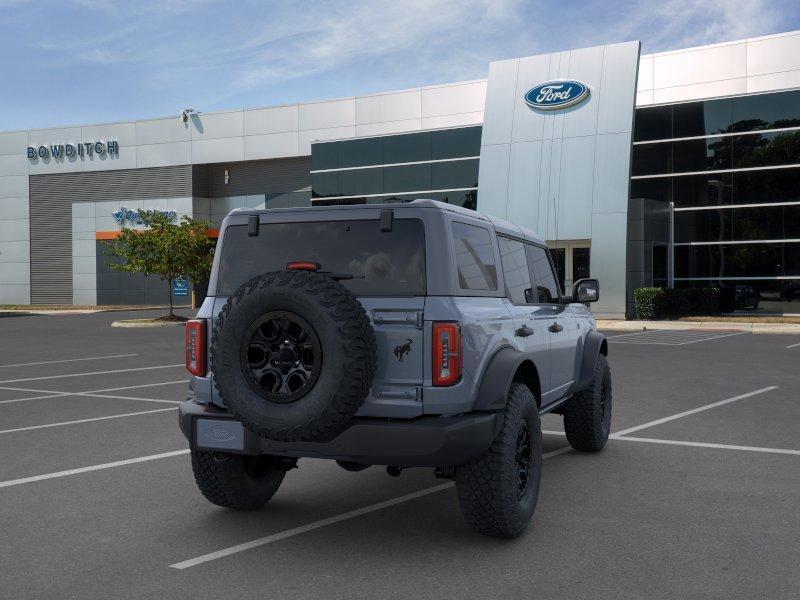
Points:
500	225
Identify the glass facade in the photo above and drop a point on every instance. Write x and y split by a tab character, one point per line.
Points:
731	168
442	165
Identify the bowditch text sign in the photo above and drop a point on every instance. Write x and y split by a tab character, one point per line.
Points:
71	150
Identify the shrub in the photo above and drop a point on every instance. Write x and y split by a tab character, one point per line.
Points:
647	300
660	303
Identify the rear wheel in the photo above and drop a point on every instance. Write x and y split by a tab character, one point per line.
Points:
587	415
236	481
498	490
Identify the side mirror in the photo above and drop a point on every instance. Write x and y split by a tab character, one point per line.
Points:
586	290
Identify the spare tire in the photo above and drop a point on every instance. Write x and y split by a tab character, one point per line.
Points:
293	355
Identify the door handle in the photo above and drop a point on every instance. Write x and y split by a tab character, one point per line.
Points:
523	331
555	328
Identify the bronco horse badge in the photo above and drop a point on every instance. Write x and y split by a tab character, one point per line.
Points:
403	349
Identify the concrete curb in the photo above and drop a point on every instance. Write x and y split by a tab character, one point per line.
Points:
619	325
146	323
49	312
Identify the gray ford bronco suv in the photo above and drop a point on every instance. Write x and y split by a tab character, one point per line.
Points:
404	335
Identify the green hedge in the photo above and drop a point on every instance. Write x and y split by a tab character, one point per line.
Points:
660	303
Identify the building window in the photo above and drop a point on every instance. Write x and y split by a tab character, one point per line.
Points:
731	168
442	165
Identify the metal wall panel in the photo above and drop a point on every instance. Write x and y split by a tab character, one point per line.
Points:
565	173
259	177
51	199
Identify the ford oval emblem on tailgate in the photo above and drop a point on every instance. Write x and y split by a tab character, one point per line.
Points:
221	435
556	94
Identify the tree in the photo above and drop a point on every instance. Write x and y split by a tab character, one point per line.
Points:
164	248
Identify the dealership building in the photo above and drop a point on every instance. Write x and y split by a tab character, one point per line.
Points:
677	168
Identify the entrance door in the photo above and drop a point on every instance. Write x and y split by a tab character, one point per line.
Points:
572	262
660	262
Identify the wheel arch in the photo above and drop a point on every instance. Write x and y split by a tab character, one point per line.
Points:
504	368
594	345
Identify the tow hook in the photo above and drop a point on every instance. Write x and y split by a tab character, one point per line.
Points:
394	471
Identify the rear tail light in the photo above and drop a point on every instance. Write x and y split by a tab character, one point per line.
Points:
196	347
447	356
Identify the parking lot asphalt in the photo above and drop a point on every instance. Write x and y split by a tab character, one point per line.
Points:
697	494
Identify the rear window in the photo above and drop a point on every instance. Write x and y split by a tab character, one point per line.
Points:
392	263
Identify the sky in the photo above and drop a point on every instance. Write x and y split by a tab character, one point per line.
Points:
72	62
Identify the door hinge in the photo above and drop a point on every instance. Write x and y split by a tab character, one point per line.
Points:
415	319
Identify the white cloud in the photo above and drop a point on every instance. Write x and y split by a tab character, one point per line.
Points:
675	24
217	54
420	33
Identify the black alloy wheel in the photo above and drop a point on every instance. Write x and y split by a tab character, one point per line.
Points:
281	356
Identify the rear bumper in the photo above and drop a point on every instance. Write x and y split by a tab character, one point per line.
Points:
421	442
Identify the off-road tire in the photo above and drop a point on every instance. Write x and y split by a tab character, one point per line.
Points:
236	481
587	415
347	343
488	492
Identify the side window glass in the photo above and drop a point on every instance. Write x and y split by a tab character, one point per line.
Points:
474	257
545	288
515	271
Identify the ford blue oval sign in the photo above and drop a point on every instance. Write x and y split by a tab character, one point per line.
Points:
556	94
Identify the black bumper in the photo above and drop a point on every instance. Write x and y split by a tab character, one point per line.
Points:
422	442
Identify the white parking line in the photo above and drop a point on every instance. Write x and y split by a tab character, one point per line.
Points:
133	387
670	337
110	465
129	398
792	346
90	393
716	337
709	445
62	423
93	373
282	535
52	395
693	411
66	360
695	444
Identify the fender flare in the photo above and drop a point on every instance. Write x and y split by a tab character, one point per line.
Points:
497	379
594	344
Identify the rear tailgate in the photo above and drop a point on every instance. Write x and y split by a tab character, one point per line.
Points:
398	326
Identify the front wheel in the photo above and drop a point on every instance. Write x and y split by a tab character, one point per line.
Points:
587	415
236	481
498	490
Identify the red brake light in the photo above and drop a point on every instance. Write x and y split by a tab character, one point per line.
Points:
447	356
302	266
196	347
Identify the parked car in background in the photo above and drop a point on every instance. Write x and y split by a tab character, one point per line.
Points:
790	291
746	297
